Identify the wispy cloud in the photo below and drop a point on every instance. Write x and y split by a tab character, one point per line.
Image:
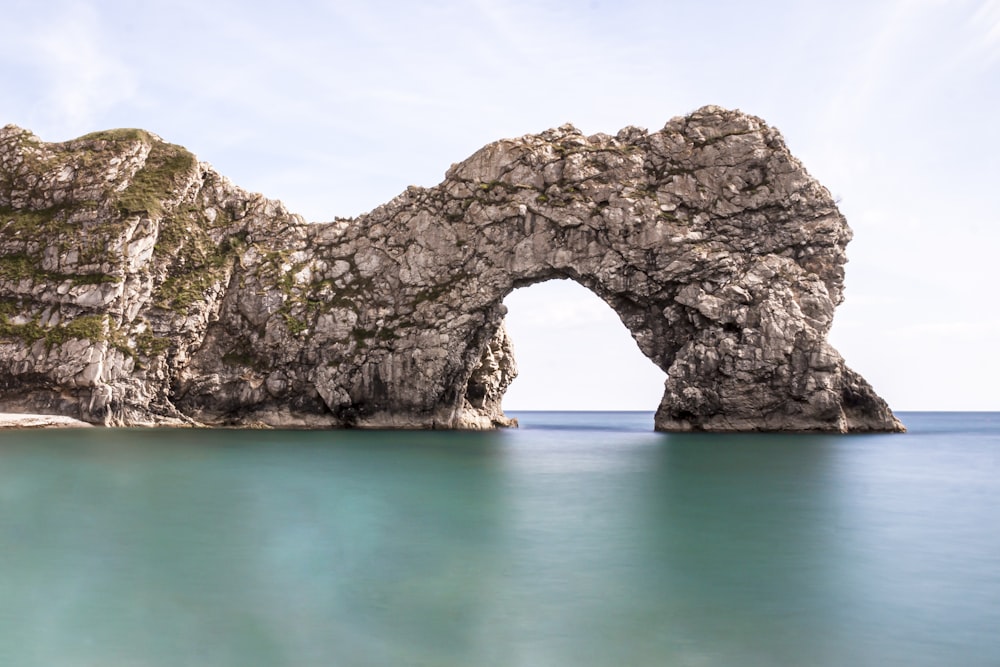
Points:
79	78
985	24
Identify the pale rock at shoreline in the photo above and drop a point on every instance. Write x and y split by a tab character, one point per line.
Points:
11	420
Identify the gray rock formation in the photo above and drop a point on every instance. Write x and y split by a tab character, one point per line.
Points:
138	286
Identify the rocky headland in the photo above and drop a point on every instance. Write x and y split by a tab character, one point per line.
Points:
138	286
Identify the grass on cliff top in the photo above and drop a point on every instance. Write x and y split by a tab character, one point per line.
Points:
157	179
116	135
154	183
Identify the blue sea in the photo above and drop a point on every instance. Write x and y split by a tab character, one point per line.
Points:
580	539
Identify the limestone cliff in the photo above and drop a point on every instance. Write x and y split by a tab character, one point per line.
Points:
138	286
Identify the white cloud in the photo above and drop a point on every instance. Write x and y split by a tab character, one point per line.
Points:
985	23
80	79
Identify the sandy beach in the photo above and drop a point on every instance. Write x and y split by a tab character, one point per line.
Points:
17	420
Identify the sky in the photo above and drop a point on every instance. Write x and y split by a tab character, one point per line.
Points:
335	107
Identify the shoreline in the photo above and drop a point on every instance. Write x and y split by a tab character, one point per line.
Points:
14	420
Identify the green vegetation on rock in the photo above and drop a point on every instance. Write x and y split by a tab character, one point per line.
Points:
157	179
87	327
46	221
117	135
196	263
19	266
149	344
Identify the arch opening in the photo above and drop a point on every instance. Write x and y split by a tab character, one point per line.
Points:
575	354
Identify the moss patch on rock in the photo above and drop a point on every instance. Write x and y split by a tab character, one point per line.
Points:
87	327
19	266
196	263
158	178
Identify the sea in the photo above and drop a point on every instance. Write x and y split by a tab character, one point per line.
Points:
579	539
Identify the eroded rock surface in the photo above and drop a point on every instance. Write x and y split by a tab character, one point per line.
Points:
138	286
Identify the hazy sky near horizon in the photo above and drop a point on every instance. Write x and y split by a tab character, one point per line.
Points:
336	107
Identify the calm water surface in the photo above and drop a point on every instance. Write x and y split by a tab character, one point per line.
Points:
580	539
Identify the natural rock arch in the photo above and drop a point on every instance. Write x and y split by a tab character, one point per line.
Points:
721	255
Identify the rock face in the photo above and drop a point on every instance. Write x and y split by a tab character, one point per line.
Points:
138	286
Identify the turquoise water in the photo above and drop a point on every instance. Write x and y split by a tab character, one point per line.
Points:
580	539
